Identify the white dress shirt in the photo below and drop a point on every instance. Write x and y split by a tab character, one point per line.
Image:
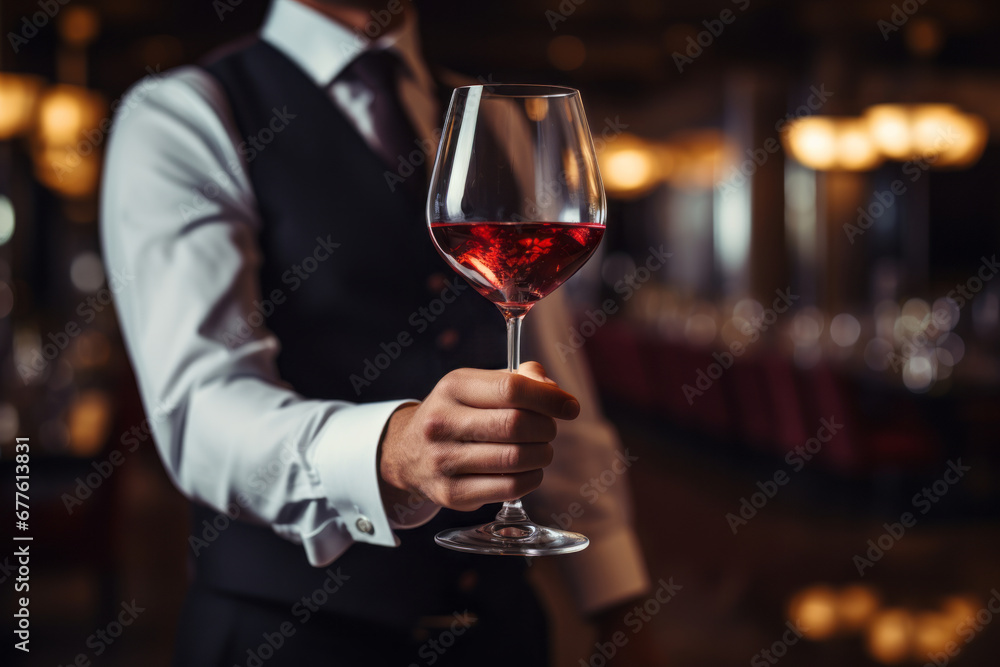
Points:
179	213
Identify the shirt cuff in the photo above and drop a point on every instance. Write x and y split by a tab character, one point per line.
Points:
345	458
609	571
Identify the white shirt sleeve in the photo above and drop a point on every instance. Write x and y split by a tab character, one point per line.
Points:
179	224
585	489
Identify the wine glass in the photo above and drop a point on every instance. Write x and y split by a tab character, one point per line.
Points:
516	206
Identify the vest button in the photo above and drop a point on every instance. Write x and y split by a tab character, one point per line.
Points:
365	525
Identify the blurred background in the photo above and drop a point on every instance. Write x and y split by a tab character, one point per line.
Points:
810	380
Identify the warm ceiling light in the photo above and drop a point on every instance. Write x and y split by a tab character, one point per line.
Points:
933	632
889	125
628	166
856	604
66	157
18	94
813	142
966	136
630	169
855	149
816	609
890	636
931	128
65	112
939	133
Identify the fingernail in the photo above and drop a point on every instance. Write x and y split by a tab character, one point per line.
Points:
570	410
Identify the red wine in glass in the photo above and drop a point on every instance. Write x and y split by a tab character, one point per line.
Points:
516	263
516	206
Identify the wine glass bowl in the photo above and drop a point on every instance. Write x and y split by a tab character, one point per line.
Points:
516	206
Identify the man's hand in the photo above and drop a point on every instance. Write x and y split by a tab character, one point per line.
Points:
479	437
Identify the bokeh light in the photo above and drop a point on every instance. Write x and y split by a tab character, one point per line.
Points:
845	330
86	272
918	373
89	422
7	219
945	314
815	609
890	636
856	604
700	329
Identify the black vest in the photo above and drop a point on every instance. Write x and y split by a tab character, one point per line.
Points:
317	178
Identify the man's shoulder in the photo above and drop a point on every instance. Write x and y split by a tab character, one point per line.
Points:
184	92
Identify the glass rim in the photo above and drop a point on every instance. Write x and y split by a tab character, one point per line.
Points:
526	90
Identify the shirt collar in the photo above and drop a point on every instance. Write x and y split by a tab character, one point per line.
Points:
322	47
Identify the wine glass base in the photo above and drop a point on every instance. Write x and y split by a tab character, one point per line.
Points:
512	538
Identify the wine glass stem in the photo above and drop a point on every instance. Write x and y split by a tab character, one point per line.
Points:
513	340
512	510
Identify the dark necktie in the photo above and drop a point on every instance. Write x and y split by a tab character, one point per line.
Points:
399	147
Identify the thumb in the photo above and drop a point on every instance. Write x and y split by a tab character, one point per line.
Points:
535	371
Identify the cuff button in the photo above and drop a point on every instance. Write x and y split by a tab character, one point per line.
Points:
365	525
